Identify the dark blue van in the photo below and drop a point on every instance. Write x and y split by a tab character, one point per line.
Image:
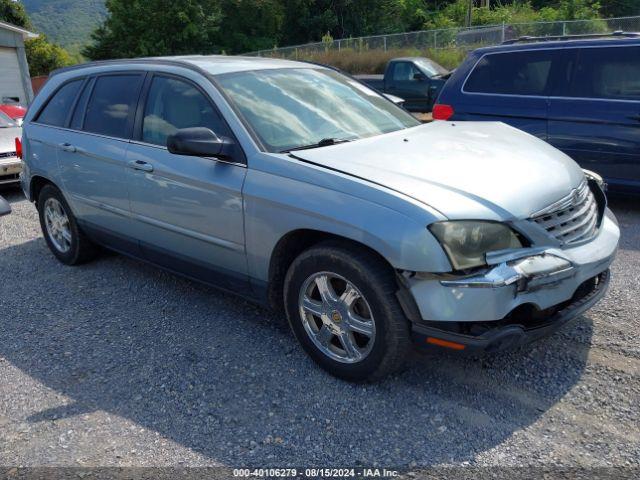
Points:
580	94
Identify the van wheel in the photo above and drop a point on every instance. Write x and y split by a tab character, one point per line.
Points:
342	308
60	229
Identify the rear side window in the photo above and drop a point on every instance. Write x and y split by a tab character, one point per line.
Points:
57	109
112	104
611	73
514	73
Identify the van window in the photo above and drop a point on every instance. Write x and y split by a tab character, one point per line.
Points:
612	73
111	107
173	104
57	109
513	73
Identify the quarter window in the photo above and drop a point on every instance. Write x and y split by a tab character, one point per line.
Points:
612	73
518	73
56	111
174	104
110	109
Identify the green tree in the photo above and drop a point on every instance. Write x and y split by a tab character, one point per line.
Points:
44	57
14	13
620	8
249	25
309	20
518	11
139	28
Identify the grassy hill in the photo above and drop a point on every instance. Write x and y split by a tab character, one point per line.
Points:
66	22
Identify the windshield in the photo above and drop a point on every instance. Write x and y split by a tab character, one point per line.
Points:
430	67
5	121
298	107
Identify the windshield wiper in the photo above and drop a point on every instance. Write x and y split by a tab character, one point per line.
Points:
325	142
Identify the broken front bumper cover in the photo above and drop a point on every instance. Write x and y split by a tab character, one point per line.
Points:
542	277
528	273
513	334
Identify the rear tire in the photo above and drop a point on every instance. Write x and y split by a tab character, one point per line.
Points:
60	229
342	308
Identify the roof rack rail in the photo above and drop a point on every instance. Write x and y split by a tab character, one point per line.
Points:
617	33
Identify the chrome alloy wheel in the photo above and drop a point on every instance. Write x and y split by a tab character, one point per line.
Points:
57	223
337	317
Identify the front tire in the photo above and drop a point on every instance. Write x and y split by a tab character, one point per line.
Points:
60	229
342	308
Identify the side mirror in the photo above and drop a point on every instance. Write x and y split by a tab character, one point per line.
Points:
5	208
419	76
197	142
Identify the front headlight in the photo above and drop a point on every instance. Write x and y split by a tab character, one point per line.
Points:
466	242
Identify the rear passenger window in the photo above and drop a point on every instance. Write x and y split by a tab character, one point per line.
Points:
111	107
56	111
517	73
612	73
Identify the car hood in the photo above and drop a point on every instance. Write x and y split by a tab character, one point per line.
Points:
8	138
481	170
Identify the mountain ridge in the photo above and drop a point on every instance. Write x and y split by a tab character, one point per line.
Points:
69	23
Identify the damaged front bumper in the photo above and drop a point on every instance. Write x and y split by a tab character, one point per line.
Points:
518	298
514	332
528	273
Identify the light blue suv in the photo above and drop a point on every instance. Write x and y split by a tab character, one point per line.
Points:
296	186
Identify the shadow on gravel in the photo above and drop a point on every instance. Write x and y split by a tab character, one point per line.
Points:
226	379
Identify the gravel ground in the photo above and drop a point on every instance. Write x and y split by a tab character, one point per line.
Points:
117	363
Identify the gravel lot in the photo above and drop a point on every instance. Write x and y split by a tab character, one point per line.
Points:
119	363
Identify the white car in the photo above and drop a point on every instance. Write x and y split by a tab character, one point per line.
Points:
10	164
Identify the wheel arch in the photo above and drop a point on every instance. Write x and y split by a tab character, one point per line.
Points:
295	242
36	184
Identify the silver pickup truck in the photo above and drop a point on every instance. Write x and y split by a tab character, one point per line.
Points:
298	187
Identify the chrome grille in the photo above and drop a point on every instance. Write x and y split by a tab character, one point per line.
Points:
572	219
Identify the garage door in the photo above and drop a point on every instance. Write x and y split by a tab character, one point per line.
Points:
10	78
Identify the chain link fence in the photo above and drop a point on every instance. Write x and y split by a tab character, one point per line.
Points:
463	38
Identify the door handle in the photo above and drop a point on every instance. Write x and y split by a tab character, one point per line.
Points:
634	117
67	147
141	165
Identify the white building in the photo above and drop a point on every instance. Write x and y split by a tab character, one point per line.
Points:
15	82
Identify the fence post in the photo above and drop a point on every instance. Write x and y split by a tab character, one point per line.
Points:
503	32
385	43
339	44
435	39
564	29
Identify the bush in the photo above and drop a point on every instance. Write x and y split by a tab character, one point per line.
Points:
375	61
